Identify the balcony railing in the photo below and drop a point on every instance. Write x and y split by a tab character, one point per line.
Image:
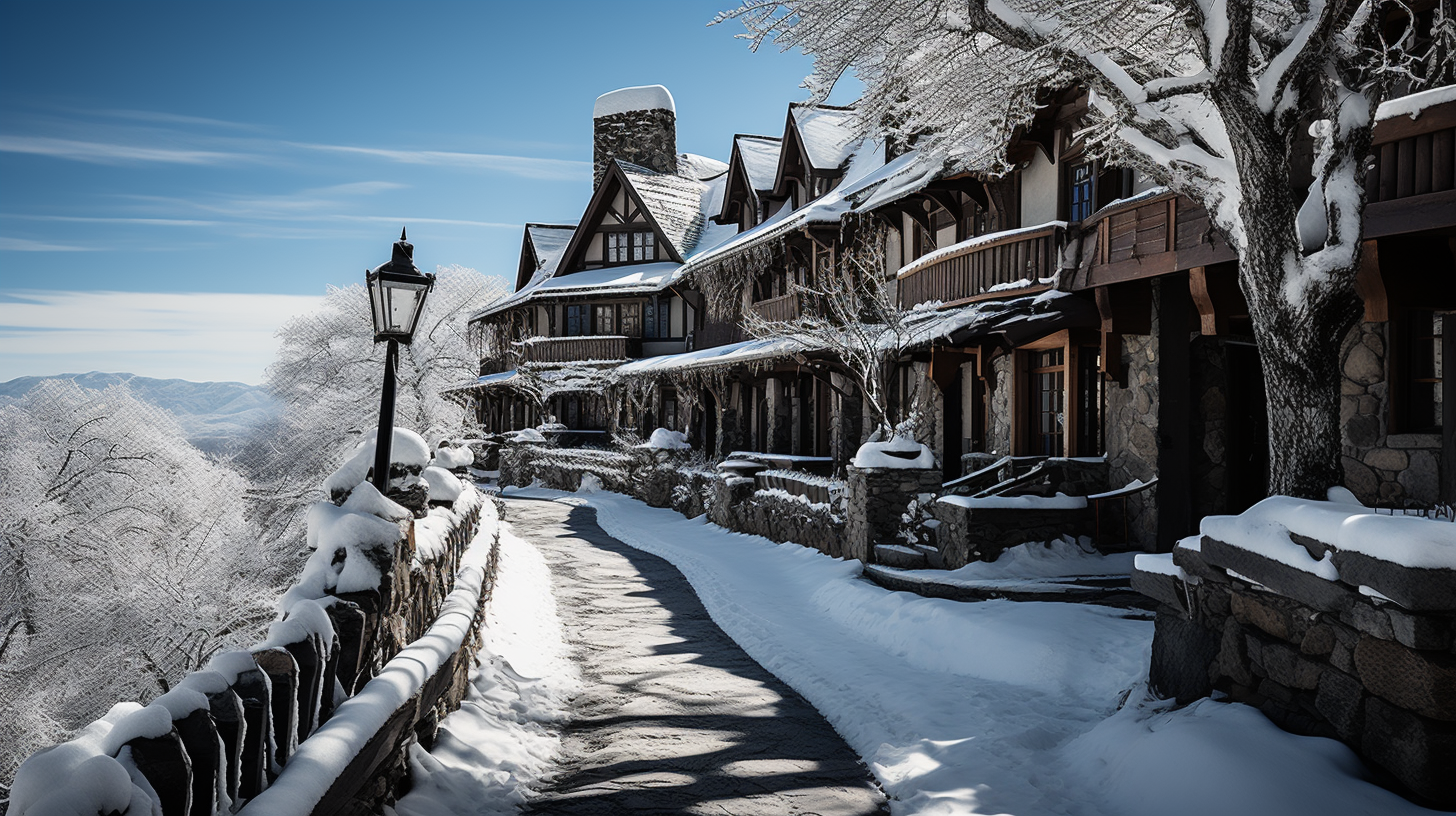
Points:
1411	185
783	308
995	260
575	349
1146	236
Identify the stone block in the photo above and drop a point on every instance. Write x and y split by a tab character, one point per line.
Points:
1193	563
1420	631
1369	619
1271	689
1319	640
892	555
1232	660
1412	587
1182	653
1422	682
1308	589
1214	600
1279	617
1289	668
1387	459
1417	751
1162	588
1341	701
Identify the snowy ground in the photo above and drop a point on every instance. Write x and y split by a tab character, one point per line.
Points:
992	707
502	741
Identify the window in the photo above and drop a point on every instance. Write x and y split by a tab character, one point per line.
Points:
631	320
657	324
1048	402
606	317
578	321
1079	191
617	243
1418	407
644	246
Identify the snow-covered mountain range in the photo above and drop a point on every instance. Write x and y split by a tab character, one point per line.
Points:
212	414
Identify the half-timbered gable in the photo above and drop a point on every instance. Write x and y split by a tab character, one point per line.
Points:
751	170
541	250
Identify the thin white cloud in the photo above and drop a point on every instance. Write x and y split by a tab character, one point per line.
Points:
524	166
107	153
194	336
89	219
357	188
27	245
403	221
169	118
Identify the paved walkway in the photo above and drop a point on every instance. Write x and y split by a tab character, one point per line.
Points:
674	716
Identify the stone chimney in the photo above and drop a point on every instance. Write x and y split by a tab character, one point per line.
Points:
636	125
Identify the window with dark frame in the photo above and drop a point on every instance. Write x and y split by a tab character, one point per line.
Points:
644	246
1047	401
1080	191
1418	408
606	319
617	243
631	320
578	321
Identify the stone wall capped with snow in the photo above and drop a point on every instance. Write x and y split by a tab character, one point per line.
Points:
299	718
1331	619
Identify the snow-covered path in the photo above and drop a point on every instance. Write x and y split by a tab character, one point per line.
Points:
673	716
993	707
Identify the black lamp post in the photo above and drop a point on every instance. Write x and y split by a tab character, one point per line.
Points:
397	291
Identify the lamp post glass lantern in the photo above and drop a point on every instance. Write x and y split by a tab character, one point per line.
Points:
397	292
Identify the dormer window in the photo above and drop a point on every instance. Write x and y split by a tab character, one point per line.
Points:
626	247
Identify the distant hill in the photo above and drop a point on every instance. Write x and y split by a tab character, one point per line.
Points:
212	414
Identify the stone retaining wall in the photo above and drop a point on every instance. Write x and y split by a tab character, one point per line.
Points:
262	702
983	533
737	505
1319	657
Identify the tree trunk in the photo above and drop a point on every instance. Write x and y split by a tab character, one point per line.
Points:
1299	337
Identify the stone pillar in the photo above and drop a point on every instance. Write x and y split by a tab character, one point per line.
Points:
877	499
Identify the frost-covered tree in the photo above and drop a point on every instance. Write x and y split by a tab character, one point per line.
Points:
1206	96
328	374
126	560
850	311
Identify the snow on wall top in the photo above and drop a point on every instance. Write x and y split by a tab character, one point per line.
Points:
827	133
639	97
760	156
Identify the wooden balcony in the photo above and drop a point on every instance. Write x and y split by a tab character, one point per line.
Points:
783	308
574	349
1144	237
1411	186
973	270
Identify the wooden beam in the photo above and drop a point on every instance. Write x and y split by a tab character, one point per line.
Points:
1210	320
1417	213
1370	285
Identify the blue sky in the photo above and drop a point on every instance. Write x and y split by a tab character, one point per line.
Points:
209	149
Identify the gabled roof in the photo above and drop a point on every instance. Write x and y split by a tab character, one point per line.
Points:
673	202
826	133
759	156
541	249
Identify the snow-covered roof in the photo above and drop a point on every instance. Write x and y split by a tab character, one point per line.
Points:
675	203
1415	104
698	167
548	241
497	379
760	157
827	133
638	97
731	354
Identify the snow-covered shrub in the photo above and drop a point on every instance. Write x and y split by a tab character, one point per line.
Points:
666	439
128	559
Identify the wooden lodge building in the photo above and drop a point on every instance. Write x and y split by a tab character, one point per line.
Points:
1066	309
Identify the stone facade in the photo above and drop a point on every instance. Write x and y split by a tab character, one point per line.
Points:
998	434
1319	657
1131	431
643	137
878	498
1381	468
